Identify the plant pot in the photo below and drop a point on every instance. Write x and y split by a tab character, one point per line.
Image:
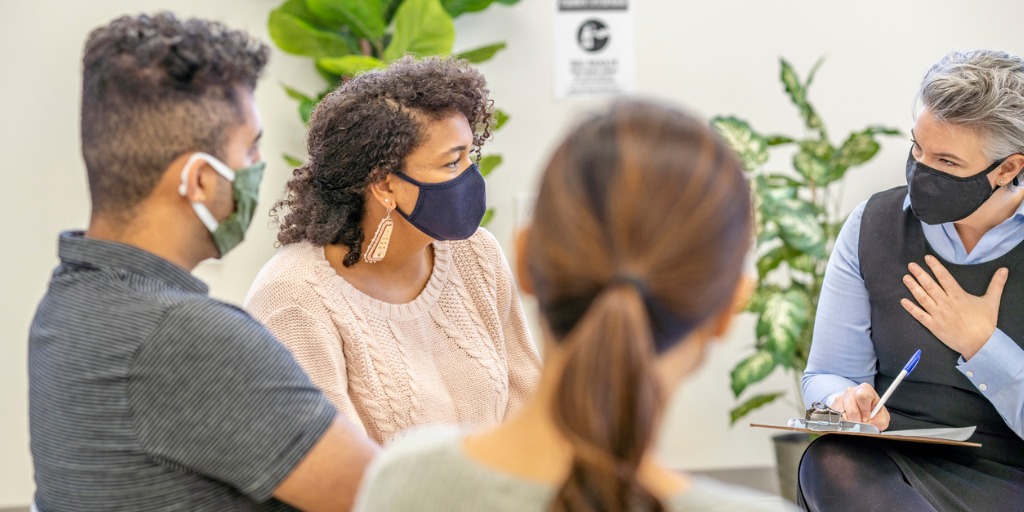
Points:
789	448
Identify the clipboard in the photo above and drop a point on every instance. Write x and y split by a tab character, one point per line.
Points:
822	419
913	439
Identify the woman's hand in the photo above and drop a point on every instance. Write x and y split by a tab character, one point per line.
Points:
962	321
856	404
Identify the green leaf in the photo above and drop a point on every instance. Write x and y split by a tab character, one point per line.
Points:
508	2
350	65
805	263
457	7
364	17
751	146
292	161
332	79
390	6
798	95
782	323
795	89
752	369
306	109
771	260
819	148
295	29
770	233
858	148
810	167
813	71
488	163
778	140
295	94
488	215
770	190
422	27
832	228
760	297
500	118
782	181
883	130
799	226
482	54
752	403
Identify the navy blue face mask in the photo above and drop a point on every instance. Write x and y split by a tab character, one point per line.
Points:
937	197
450	210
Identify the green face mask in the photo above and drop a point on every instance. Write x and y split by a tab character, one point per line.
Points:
245	186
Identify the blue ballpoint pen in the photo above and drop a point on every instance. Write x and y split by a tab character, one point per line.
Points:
899	378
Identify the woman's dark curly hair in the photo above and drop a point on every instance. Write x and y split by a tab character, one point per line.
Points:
364	130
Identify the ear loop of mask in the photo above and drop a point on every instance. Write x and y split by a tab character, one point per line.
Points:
204	214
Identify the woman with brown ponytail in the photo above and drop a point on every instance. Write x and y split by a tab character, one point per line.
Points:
635	253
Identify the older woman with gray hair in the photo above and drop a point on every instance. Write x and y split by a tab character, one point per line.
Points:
933	266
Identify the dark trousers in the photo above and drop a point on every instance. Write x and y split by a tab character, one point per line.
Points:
844	473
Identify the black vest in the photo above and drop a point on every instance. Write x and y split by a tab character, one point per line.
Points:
936	394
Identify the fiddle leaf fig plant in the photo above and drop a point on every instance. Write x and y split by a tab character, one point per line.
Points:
344	38
797	220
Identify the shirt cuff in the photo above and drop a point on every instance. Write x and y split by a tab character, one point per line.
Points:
832	398
995	365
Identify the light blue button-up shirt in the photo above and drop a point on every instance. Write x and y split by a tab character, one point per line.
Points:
842	354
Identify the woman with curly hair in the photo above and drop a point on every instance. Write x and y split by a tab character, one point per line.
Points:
400	308
635	255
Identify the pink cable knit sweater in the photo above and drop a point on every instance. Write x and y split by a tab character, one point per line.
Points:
459	353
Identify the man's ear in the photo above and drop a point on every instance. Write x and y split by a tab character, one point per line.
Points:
522	272
193	184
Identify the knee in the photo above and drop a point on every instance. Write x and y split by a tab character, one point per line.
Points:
829	463
830	453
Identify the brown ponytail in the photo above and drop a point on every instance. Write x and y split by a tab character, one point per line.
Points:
639	233
609	426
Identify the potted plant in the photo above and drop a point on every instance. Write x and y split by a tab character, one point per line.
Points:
346	37
797	219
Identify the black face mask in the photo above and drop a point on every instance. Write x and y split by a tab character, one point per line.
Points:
937	197
450	210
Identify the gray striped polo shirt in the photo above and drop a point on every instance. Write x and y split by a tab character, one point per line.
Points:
147	394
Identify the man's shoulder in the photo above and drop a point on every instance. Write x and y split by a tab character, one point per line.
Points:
197	320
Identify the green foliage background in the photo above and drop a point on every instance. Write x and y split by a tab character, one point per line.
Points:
346	37
797	221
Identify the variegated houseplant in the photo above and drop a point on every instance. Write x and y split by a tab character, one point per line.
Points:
797	221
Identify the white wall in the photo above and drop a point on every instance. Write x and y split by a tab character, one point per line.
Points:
715	57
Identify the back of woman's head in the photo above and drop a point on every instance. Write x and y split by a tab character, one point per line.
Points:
365	129
638	238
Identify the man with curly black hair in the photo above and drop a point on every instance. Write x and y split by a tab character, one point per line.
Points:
145	393
400	308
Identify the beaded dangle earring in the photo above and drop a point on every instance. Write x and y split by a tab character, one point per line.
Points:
379	244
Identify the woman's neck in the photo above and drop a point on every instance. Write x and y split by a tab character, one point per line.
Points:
530	445
398	278
1001	206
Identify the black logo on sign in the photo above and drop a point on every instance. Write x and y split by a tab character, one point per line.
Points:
593	35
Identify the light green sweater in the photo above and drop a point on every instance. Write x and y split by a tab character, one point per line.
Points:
427	470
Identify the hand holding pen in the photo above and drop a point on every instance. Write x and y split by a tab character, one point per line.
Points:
862	403
907	368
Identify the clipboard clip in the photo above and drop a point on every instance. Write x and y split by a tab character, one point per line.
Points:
822	418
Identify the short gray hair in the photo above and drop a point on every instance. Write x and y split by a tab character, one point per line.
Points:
982	90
